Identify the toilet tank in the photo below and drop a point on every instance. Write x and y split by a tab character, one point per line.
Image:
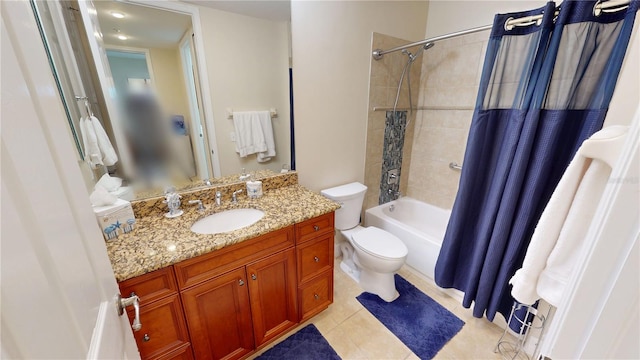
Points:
351	197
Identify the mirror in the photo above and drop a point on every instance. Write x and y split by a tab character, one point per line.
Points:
200	61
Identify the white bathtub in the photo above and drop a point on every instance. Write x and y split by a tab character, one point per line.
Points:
419	225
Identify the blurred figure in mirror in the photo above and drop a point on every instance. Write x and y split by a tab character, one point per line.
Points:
149	136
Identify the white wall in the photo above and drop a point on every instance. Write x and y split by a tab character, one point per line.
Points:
331	43
248	65
445	17
169	81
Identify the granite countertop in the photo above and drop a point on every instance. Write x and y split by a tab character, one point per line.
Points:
158	242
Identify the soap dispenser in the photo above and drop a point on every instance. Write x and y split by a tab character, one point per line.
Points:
254	188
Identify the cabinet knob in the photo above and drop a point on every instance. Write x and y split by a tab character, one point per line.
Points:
316	259
316	227
316	296
146	338
254	277
240	282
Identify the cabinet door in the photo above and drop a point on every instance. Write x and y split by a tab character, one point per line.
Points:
163	328
219	317
272	288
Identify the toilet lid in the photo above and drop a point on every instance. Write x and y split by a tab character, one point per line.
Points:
380	243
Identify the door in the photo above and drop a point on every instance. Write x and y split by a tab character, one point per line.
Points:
58	289
272	289
219	317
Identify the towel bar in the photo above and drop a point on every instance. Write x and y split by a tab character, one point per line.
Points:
273	112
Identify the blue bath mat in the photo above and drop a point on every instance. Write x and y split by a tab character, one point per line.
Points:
306	344
422	324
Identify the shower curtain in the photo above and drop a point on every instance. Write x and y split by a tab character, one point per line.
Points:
545	88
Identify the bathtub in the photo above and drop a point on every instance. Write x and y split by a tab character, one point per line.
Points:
419	225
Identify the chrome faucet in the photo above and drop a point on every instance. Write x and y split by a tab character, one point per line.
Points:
234	198
199	203
218	198
394	193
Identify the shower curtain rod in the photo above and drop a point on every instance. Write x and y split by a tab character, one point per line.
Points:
616	5
416	108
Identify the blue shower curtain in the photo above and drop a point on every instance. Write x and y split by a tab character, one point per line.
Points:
545	88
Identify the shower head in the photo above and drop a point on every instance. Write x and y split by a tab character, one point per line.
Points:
413	57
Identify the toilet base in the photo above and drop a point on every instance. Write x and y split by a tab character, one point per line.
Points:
383	285
352	272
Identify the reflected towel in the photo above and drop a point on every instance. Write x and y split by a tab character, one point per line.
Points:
97	147
249	135
267	131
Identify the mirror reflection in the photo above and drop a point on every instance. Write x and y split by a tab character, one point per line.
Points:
170	86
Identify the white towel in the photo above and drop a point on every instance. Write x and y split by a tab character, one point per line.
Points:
249	135
254	134
108	153
267	131
97	147
559	237
90	143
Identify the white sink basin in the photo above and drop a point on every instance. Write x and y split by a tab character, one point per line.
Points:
226	221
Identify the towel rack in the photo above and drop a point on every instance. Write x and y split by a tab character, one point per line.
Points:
86	104
273	112
455	166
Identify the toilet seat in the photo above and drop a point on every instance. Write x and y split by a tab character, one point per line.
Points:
379	243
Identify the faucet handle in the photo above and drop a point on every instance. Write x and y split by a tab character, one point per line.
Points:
234	198
199	202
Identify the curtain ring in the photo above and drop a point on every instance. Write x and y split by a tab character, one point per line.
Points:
598	10
508	26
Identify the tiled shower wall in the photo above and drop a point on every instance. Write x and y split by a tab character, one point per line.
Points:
385	74
451	73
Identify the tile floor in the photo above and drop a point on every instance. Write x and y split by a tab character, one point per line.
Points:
356	334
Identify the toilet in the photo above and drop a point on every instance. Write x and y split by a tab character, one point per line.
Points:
371	256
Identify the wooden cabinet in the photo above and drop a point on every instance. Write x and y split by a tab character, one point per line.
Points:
249	296
273	294
219	317
314	253
230	302
163	329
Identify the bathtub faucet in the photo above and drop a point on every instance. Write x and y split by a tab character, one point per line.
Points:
394	193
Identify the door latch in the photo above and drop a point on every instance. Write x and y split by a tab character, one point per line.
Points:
134	301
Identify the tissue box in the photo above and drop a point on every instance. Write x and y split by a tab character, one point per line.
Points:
115	219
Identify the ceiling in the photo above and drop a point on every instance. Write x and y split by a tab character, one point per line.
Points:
152	28
274	10
144	26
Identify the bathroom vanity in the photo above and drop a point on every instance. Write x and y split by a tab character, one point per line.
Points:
227	295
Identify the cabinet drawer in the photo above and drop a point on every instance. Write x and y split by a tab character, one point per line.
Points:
316	296
311	228
163	328
202	268
314	257
152	286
